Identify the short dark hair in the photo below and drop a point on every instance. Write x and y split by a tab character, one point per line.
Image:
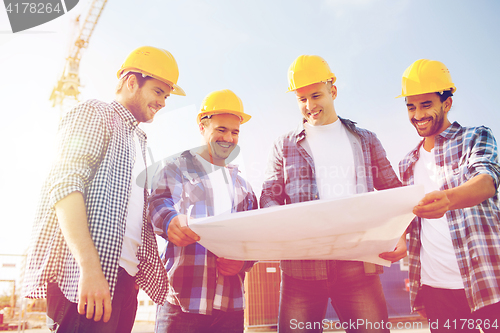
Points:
444	96
206	121
141	80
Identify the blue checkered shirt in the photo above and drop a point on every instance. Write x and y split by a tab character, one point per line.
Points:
183	185
95	156
462	153
290	178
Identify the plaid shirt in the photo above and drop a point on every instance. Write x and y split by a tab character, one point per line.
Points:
462	153
192	269
95	156
290	178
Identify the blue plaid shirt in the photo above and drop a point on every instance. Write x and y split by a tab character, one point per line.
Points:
461	154
192	270
290	178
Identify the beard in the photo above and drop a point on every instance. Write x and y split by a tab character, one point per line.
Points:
436	123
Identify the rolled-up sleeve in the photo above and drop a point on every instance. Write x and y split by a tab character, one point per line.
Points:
384	176
483	157
273	189
82	138
167	191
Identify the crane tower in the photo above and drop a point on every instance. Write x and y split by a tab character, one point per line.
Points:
69	82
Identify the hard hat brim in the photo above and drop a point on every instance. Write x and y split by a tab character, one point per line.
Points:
453	89
176	90
332	79
243	116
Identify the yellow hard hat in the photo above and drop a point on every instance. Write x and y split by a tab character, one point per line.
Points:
154	62
308	69
222	101
426	76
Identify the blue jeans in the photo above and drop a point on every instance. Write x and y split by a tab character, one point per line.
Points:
448	311
63	316
357	298
171	319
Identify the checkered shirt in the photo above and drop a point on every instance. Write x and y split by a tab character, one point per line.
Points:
290	178
95	156
462	153
192	269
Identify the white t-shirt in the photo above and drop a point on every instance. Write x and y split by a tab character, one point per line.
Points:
333	160
439	267
132	238
222	186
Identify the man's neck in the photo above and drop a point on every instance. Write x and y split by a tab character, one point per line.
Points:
209	158
429	141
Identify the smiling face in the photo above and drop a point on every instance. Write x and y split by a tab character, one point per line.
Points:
428	114
146	101
221	134
316	103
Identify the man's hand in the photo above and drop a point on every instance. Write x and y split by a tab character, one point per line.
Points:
398	253
433	206
94	297
179	233
229	267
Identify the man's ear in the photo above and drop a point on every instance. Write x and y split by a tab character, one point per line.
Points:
447	104
131	83
334	91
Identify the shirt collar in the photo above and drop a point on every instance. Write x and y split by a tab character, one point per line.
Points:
191	154
451	131
126	115
300	132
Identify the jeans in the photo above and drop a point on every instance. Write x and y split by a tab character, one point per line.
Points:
63	316
171	319
357	298
448	311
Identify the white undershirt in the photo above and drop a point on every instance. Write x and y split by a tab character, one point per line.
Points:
439	267
222	186
333	160
132	238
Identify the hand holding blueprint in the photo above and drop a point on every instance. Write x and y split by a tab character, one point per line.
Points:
359	227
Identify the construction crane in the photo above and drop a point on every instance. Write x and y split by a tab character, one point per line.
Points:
69	83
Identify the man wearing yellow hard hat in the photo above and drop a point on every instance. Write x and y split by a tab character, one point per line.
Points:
92	243
205	292
327	157
455	240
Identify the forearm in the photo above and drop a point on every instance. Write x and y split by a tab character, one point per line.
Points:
476	190
72	217
166	193
383	173
161	216
472	192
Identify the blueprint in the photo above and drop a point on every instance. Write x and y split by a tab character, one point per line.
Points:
359	227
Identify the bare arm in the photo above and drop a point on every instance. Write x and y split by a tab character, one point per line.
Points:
473	192
93	288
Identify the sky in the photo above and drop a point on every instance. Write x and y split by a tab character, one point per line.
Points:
245	46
